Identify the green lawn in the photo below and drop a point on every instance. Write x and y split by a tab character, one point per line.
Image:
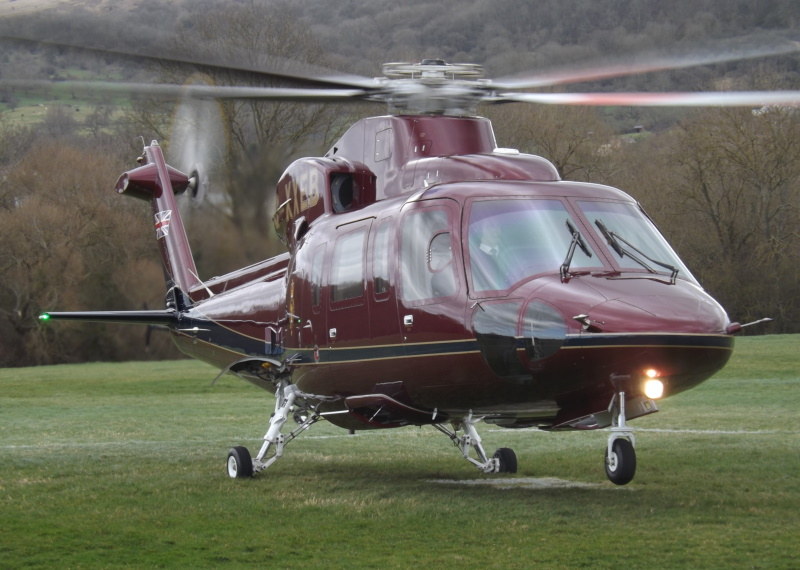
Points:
114	465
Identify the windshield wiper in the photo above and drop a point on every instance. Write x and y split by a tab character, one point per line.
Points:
616	241
577	240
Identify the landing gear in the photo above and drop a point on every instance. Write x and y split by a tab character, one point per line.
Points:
504	459
620	456
241	465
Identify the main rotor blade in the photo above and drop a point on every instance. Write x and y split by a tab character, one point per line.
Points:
169	91
644	64
279	68
700	99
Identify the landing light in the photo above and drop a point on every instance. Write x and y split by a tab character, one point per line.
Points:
653	389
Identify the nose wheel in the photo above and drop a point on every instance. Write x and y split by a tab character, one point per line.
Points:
620	456
620	462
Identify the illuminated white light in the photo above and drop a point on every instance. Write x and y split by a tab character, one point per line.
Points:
653	389
651	373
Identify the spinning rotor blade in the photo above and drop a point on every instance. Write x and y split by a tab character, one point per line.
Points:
171	91
647	63
700	99
433	86
279	68
198	146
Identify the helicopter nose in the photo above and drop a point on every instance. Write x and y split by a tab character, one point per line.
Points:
584	334
675	333
674	312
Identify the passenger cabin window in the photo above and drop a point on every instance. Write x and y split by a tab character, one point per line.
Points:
427	256
316	276
347	269
380	260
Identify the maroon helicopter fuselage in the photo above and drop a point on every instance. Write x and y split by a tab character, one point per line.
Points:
386	309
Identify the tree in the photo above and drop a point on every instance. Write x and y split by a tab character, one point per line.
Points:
739	184
69	242
257	139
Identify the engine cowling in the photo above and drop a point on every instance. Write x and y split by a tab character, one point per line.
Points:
314	187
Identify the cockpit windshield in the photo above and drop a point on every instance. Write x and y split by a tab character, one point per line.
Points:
636	243
512	239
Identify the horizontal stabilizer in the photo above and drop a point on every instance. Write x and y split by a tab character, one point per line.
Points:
164	317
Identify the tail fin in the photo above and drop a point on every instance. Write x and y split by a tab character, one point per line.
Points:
159	183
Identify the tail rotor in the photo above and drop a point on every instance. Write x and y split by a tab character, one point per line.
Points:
198	145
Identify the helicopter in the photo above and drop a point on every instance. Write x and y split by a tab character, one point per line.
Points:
434	278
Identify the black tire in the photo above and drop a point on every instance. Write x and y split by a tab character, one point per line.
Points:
240	464
508	460
621	468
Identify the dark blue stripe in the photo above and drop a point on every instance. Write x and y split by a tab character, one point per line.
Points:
654	339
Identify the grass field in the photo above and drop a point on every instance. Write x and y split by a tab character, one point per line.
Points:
122	465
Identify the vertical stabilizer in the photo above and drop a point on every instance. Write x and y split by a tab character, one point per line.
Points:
158	183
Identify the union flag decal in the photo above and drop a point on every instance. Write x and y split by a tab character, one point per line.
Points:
162	223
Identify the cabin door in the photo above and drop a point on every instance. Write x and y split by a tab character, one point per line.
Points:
348	315
431	276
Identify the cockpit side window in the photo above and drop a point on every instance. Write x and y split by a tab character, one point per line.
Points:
427	260
639	245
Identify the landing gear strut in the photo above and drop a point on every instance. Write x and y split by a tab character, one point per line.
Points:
504	459
240	465
620	456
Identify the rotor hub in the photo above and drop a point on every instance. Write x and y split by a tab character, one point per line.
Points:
433	71
432	86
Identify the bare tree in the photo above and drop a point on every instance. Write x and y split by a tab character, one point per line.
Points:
258	138
739	183
69	242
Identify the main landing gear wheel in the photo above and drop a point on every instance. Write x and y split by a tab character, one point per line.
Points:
240	464
506	459
620	462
